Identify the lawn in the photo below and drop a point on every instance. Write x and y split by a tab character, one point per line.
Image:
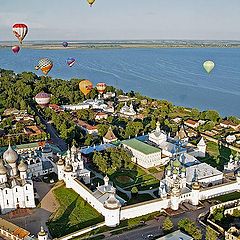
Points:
134	176
73	214
217	156
228	197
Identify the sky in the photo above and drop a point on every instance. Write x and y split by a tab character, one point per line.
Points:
122	19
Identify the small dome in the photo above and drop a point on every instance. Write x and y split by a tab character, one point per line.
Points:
10	155
60	162
175	171
68	168
176	163
112	202
42	232
169	167
73	149
106	179
195	186
183	170
22	167
3	169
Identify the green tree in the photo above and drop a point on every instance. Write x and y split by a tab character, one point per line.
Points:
167	224
236	213
134	190
211	234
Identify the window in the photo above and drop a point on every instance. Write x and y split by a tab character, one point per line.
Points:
16	189
7	202
27	198
17	200
26	188
6	191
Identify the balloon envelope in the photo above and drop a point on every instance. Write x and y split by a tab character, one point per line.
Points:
15	49
65	44
101	87
45	65
91	2
85	87
208	66
20	31
71	61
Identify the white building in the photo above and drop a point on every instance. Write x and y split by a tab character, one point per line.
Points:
158	136
144	154
127	111
233	164
16	187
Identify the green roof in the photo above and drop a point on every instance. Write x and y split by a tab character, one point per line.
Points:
141	146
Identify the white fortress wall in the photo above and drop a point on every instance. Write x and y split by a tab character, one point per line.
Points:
218	190
140	209
86	194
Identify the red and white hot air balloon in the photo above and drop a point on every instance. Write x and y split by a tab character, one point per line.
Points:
20	31
101	87
15	49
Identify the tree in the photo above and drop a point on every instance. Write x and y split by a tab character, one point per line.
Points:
218	214
167	224
134	190
236	213
210	234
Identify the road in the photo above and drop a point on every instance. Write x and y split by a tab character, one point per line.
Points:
52	131
154	227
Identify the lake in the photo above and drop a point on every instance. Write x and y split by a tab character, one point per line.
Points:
176	75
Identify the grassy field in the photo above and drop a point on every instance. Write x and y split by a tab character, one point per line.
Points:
217	155
73	214
228	197
136	176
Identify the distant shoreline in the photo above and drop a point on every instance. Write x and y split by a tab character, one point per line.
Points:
47	46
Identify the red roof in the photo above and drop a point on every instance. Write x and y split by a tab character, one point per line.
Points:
86	125
190	121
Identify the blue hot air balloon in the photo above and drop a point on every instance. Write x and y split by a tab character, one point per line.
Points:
65	44
71	61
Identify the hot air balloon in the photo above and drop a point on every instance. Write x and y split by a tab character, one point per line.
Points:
85	87
91	2
101	87
208	66
65	44
15	49
20	30
45	65
71	61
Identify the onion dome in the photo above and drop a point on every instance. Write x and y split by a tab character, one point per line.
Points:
42	232
73	149
22	167
47	149
112	203
42	98
10	155
176	163
68	168
175	171
196	186
3	169
169	167
183	170
60	162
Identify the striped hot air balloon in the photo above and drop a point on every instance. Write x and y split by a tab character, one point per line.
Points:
71	61
45	65
101	87
20	31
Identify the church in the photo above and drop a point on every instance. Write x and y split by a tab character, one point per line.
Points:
16	186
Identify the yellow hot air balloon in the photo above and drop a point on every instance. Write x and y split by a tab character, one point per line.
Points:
208	66
85	87
91	2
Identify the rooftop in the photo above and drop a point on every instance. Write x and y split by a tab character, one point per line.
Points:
141	146
177	235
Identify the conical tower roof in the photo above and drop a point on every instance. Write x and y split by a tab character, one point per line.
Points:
110	135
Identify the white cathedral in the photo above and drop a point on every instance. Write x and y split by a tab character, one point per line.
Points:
72	166
16	187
